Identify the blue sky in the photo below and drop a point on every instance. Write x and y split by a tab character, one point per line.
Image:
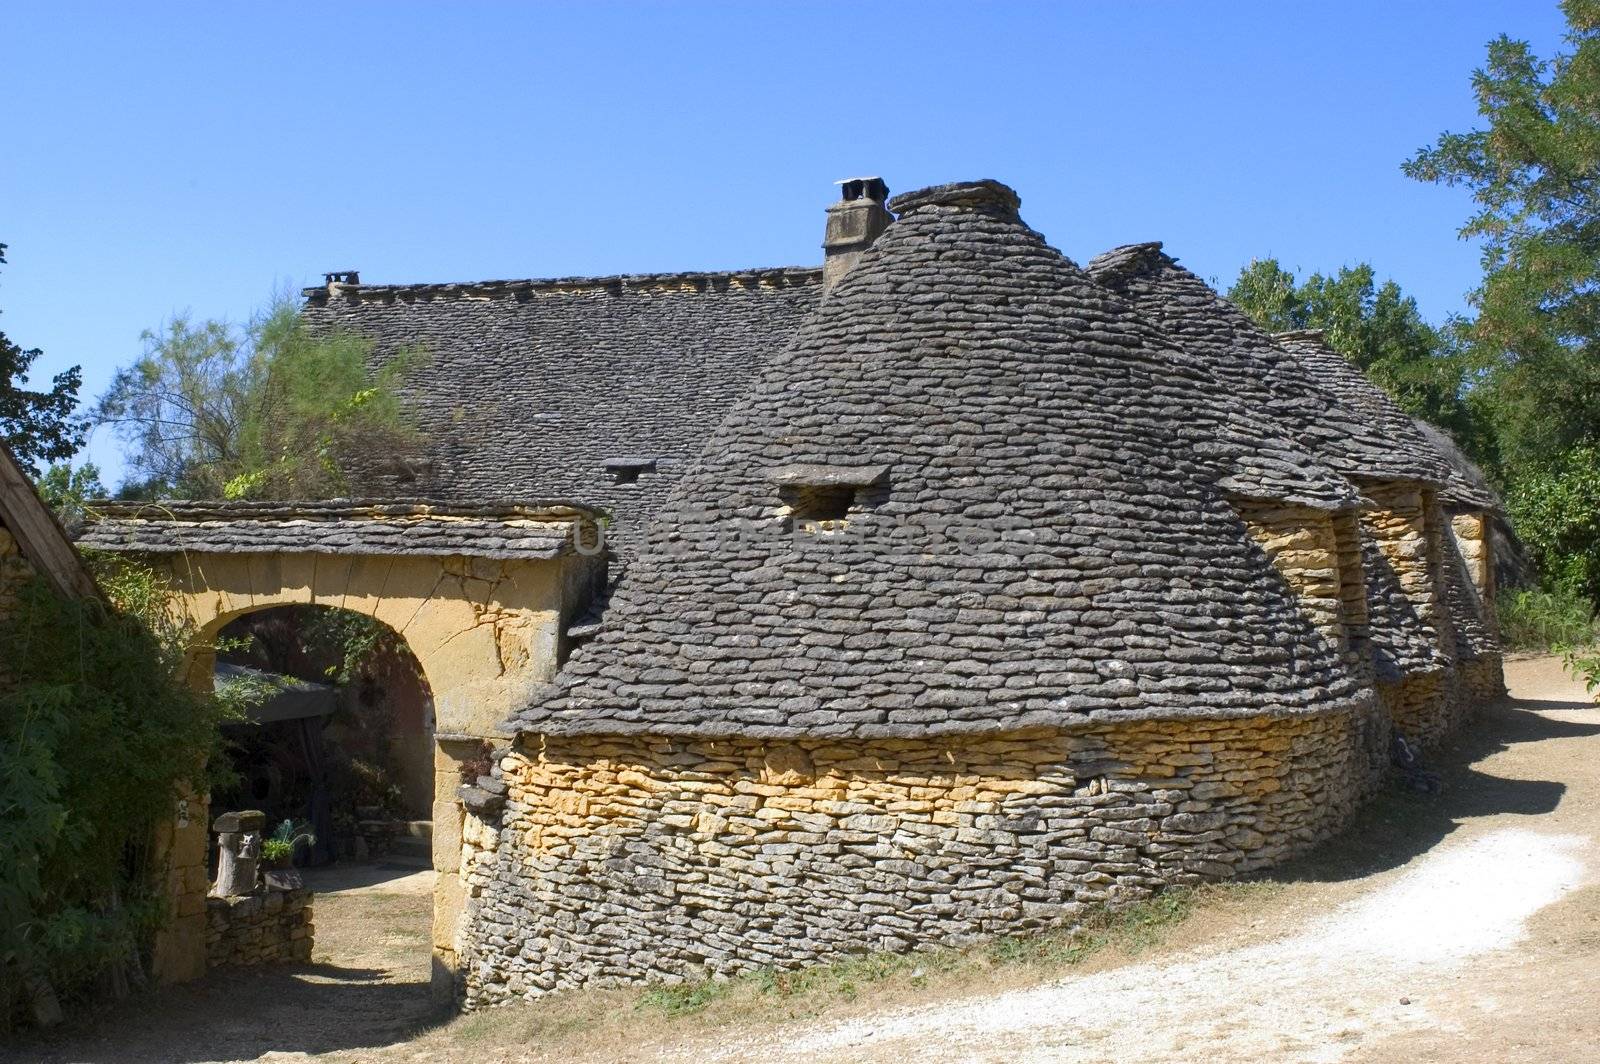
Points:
161	158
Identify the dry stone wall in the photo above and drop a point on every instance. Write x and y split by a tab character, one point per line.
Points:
620	860
1417	705
1304	546
1353	592
1399	526
15	571
1469	562
1479	682
1434	623
267	927
1471	533
1409	623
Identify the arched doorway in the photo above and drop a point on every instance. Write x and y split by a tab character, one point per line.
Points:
336	748
338	734
482	596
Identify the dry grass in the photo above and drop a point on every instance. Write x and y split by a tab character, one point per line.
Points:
601	1024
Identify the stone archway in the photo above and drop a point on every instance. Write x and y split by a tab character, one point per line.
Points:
481	597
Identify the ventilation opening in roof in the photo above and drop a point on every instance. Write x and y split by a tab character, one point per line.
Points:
818	507
818	498
627	470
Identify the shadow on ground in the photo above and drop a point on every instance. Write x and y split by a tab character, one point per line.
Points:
1398	825
368	989
239	1015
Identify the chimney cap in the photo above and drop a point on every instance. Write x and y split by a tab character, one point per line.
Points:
334	277
853	188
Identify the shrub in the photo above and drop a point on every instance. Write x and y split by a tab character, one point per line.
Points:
1584	664
1531	619
99	736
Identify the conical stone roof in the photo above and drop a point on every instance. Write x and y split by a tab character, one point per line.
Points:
1417	443
1035	532
1356	439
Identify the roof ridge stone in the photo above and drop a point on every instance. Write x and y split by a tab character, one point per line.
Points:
984	193
1127	260
683	280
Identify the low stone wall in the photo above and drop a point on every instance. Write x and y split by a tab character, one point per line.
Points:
1420	706
624	860
1480	682
1429	707
268	927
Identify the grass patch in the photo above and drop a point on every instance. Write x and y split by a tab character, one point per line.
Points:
807	991
683	999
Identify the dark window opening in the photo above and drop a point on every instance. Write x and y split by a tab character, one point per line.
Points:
818	506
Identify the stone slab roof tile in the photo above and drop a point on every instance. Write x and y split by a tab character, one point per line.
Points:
1318	409
530	388
1461	483
1467	488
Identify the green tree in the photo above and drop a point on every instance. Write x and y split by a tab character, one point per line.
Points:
1377	327
267	411
37	426
65	489
1534	173
1556	508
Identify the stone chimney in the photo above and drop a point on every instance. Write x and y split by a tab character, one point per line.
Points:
337	279
854	223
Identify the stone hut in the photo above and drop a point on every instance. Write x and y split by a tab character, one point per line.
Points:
1429	557
988	600
953	588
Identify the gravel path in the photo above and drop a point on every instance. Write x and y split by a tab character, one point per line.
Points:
1368	969
1422	963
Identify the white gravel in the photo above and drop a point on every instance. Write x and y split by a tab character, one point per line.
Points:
1314	995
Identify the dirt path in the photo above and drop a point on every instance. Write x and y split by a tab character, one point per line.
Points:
1462	928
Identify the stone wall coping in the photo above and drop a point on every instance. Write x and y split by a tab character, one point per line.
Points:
502	530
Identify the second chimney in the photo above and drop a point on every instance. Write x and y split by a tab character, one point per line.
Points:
854	223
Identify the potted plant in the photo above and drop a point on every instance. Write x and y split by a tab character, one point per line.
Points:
278	853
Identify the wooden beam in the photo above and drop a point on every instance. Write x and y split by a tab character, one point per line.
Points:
38	534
